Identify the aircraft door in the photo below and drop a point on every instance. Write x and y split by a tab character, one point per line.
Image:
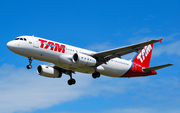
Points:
35	42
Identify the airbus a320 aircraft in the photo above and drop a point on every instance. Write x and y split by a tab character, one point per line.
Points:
68	59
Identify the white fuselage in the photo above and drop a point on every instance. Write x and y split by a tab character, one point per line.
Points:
30	46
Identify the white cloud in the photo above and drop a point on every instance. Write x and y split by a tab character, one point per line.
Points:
137	39
140	110
129	110
170	49
23	90
169	46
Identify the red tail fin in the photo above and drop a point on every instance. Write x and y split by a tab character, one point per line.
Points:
144	56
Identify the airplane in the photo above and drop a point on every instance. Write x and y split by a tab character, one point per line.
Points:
68	59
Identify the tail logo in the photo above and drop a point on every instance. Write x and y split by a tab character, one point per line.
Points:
144	53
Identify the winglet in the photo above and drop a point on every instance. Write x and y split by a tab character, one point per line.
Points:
160	40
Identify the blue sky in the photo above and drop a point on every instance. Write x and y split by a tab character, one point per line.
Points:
95	25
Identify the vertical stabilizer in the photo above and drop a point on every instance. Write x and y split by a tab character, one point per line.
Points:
144	56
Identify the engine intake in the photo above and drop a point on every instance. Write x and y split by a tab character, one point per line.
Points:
84	60
48	71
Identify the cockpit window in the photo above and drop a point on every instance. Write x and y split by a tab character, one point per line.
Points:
24	39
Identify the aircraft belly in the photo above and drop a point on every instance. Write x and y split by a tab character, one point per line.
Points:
116	69
85	69
81	69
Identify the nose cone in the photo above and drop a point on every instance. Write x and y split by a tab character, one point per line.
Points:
10	45
15	47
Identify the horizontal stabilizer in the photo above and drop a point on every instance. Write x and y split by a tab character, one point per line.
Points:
156	67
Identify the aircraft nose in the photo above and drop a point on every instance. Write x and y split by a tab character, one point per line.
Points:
10	45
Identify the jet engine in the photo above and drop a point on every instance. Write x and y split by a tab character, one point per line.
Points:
48	71
84	60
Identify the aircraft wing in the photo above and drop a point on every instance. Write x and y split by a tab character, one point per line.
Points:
105	56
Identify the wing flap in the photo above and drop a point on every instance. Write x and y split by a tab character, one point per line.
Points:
156	67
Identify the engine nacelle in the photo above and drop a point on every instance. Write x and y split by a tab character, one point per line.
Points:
84	60
48	71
